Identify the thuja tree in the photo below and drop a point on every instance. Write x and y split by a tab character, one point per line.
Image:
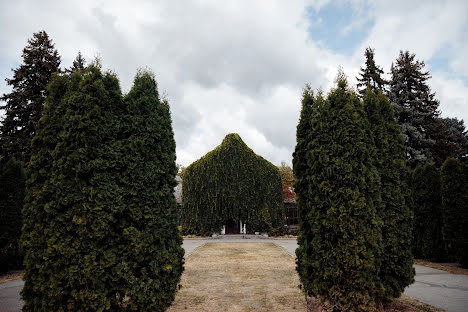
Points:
454	191
12	189
81	224
397	261
232	182
23	106
340	263
37	211
151	263
427	228
301	185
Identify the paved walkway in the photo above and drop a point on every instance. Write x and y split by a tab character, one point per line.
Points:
435	287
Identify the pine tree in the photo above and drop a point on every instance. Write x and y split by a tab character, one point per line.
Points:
341	258
415	106
397	261
370	76
427	227
24	105
40	197
12	190
152	265
455	209
79	64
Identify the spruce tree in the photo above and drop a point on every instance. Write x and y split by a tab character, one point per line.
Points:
455	209
341	254
12	190
415	106
40	198
427	226
23	106
397	260
370	76
79	64
152	264
458	137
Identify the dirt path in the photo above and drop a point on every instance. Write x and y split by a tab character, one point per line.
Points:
239	277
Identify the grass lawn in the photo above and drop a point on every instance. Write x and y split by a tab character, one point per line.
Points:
239	277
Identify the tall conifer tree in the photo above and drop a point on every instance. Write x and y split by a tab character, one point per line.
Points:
152	266
370	75
397	260
415	106
341	258
23	106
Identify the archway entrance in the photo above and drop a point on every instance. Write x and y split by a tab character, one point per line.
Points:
232	227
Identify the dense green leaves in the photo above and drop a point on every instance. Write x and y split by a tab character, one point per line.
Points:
232	182
339	252
397	261
101	227
427	229
454	180
12	189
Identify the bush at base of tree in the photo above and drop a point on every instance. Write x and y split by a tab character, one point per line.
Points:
454	180
12	191
427	226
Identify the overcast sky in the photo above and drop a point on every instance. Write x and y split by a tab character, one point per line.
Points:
240	66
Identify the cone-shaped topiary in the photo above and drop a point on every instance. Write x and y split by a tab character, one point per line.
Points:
397	260
454	180
427	226
12	190
232	182
340	262
151	262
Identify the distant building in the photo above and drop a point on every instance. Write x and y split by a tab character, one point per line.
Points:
178	195
290	207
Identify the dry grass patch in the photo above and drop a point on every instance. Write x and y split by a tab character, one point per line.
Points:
11	276
448	267
239	277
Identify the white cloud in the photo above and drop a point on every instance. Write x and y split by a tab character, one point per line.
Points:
235	66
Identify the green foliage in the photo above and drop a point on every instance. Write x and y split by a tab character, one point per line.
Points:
101	227
23	106
152	263
415	107
427	227
231	182
12	191
339	254
370	76
454	180
286	173
397	261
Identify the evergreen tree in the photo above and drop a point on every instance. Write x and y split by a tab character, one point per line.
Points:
415	106
79	64
397	261
455	209
81	229
12	189
340	256
152	266
427	228
370	76
38	209
459	137
23	106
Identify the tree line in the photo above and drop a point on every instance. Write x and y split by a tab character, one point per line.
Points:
99	221
370	188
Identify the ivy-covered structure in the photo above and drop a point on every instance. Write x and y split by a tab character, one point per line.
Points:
232	190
